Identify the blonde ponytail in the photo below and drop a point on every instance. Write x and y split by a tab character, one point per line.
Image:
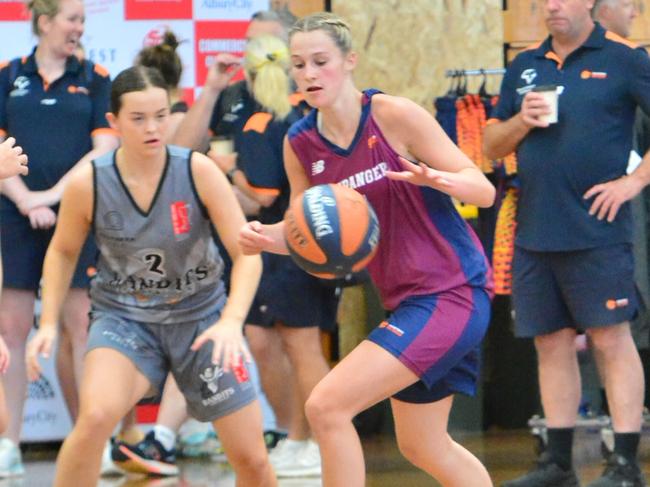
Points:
267	62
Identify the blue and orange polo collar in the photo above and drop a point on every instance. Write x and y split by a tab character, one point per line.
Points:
72	64
596	40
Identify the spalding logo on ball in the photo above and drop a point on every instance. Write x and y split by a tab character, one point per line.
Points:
331	231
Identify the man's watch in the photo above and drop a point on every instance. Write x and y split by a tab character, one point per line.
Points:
231	173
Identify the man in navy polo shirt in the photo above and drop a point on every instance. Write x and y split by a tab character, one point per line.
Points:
573	265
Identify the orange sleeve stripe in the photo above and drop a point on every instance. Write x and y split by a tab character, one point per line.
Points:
264	191
491	121
621	40
101	70
103	131
258	122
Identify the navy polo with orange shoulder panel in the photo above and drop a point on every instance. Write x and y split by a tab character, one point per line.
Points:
600	84
54	124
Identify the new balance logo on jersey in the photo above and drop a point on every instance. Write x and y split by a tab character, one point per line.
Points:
317	167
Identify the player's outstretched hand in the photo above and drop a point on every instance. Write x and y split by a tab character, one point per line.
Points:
420	174
12	160
39	346
229	346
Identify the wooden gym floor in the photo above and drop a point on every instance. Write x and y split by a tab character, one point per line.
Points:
506	454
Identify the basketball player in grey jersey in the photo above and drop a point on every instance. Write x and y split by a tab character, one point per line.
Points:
158	299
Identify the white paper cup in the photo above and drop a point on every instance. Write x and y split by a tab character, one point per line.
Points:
549	92
222	146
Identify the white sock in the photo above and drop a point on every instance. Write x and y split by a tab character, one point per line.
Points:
165	435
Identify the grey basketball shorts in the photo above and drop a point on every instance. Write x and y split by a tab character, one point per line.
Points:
157	349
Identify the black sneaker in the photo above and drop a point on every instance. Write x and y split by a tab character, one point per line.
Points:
148	457
620	473
545	474
272	437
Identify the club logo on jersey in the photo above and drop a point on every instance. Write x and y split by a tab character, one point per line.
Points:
586	74
180	218
113	220
317	167
392	328
612	304
529	75
372	142
21	83
82	90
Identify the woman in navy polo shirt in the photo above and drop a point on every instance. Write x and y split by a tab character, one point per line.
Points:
54	105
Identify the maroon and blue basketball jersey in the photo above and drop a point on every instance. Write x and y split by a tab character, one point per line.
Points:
425	247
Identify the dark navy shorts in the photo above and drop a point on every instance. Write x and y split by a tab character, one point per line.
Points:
438	337
289	295
573	289
23	252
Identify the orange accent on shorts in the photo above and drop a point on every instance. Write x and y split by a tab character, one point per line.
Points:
3	133
258	122
4	64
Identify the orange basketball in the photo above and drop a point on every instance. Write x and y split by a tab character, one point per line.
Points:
331	231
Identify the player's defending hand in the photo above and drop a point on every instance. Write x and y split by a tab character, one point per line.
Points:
39	346
610	196
12	160
534	106
229	346
253	238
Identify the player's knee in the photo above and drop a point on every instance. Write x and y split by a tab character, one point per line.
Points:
254	464
96	421
608	340
323	411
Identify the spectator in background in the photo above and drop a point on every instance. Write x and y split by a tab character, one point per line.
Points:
165	59
565	282
221	110
54	106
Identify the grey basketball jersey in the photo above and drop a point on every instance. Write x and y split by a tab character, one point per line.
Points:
159	266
